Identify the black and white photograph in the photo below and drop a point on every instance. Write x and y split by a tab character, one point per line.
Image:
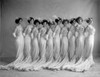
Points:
49	38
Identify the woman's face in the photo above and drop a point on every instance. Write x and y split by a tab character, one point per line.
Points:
90	22
59	22
74	23
65	23
45	24
37	24
79	21
32	21
20	21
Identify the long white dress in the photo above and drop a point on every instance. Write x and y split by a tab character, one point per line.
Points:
19	42
19	45
27	48
49	49
35	46
56	41
88	54
34	50
71	47
42	50
79	47
89	57
64	48
79	44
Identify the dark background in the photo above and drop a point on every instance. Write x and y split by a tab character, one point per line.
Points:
10	9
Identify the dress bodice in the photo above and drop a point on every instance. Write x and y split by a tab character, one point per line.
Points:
49	33
42	32
64	31
57	30
91	30
35	32
18	30
28	29
80	30
73	30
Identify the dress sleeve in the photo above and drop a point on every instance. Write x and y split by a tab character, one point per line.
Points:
15	31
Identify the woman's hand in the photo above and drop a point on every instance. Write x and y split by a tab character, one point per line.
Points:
14	35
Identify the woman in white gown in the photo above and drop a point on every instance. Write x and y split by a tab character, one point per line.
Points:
27	46
64	45
42	47
19	42
88	53
56	41
71	44
35	46
79	43
49	48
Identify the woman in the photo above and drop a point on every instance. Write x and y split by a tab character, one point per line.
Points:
79	44
27	45
71	44
19	41
56	41
53	26
89	43
35	46
42	47
49	49
64	45
79	41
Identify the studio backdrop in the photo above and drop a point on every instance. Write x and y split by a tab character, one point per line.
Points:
10	9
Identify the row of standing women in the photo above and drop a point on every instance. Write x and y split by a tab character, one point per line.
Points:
60	44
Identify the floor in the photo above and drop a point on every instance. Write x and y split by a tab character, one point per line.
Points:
93	72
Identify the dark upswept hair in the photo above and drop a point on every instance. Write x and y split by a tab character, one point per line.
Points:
72	20
30	18
79	18
17	21
58	19
49	23
89	20
65	21
36	21
43	21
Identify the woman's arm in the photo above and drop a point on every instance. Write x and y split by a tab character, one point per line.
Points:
25	31
69	34
14	33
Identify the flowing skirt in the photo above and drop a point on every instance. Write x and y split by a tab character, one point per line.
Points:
34	55
71	48
63	53
19	56
49	52
56	52
27	53
87	56
42	51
